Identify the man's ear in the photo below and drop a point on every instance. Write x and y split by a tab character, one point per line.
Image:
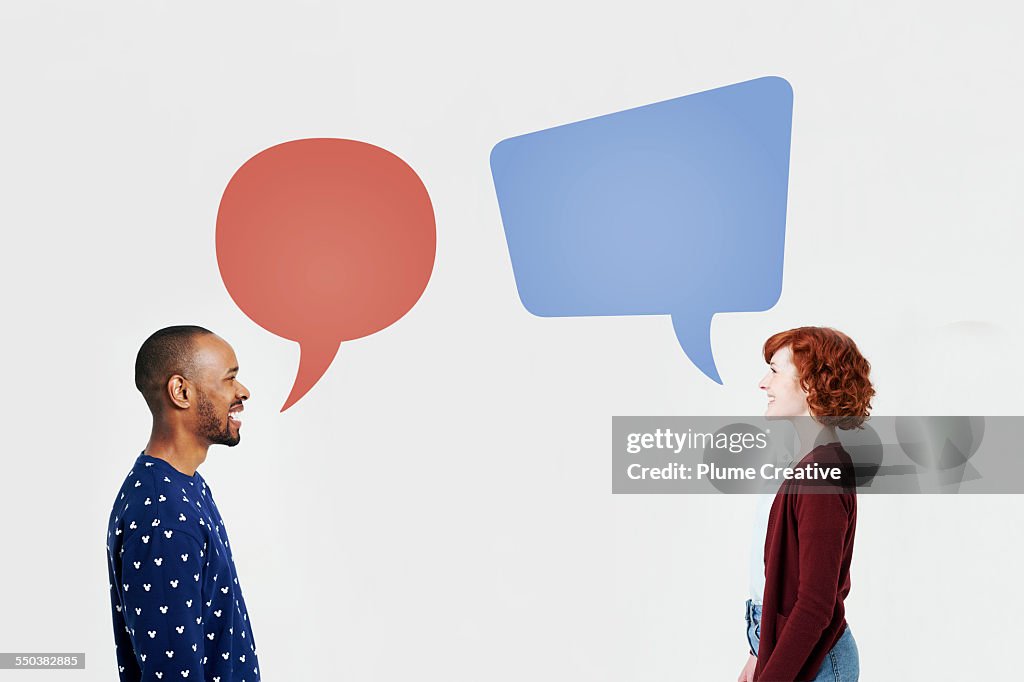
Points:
180	391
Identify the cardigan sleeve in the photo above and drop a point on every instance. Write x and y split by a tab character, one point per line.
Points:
822	521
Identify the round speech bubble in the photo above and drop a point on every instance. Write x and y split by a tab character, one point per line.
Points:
322	241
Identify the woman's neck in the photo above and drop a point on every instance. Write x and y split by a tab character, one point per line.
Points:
811	433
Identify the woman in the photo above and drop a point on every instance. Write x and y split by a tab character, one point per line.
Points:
817	379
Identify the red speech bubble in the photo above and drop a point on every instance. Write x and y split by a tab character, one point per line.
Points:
322	241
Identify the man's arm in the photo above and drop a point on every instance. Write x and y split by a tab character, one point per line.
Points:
162	583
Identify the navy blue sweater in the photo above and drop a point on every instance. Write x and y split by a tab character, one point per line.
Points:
177	606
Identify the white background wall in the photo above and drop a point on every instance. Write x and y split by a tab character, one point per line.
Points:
438	507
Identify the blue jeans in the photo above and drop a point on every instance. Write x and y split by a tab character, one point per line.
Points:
842	664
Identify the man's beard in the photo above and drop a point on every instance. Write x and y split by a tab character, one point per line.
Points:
212	427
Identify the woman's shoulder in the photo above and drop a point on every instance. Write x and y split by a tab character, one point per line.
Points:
827	469
827	453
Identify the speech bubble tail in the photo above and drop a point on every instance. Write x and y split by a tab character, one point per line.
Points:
694	335
314	359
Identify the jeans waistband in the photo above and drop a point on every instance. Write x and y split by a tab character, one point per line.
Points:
753	611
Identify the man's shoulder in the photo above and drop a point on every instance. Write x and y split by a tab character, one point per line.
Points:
147	481
152	500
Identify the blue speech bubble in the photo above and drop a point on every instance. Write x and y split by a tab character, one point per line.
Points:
675	208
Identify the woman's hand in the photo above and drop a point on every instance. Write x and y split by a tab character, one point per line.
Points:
747	674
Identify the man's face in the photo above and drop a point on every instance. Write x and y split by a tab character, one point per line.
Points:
219	394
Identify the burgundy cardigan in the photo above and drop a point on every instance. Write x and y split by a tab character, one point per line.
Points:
807	557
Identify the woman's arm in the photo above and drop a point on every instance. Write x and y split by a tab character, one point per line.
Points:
822	522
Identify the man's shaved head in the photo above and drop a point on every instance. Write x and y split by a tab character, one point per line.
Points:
167	352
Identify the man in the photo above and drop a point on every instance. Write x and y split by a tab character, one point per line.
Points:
177	605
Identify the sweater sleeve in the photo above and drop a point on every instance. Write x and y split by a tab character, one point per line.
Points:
822	521
162	583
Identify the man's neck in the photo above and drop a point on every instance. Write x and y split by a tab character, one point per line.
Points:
181	451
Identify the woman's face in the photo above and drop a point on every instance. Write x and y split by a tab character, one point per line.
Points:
786	398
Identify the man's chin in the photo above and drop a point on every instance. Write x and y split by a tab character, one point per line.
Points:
228	439
232	436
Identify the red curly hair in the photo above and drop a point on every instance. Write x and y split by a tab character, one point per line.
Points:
831	370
